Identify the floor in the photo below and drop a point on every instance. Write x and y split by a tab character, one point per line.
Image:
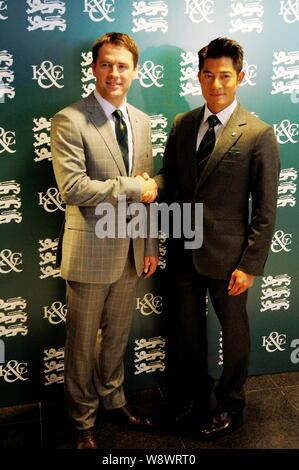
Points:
271	422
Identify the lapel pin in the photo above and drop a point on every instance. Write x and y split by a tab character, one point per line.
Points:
233	134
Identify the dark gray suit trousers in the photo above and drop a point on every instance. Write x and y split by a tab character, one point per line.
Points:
189	290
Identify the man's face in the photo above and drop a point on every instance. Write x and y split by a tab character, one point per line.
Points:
219	82
114	71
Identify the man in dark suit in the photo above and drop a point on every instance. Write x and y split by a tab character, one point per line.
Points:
101	145
219	155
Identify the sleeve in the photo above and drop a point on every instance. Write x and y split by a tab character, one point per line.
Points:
265	167
151	243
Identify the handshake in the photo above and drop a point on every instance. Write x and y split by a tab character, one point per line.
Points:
149	188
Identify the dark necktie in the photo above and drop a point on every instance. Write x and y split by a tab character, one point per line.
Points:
122	136
207	144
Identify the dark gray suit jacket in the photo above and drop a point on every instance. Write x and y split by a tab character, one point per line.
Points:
244	163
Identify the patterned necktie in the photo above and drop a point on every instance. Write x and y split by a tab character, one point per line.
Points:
122	136
207	144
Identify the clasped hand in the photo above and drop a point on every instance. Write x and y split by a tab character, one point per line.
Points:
149	188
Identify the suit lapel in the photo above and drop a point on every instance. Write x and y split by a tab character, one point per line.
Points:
103	126
137	138
229	137
190	137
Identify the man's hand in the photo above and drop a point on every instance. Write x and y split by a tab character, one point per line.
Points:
149	188
239	282
150	265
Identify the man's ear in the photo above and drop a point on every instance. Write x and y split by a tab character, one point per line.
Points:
199	76
240	77
93	68
135	72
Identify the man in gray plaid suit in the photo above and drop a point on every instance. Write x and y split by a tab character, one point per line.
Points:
94	164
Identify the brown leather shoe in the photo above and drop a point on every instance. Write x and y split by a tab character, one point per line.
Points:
85	439
125	416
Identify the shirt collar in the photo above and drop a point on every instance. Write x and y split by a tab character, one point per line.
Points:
109	108
223	115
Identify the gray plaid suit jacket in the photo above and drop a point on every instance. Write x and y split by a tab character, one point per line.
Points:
89	169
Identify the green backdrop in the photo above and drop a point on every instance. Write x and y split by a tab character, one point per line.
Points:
44	66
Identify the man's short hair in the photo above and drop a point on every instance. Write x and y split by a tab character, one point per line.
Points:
119	39
221	47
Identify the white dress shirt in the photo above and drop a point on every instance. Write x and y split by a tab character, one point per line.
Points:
223	117
108	109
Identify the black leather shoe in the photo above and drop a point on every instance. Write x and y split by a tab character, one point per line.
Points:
126	417
220	425
186	416
85	439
